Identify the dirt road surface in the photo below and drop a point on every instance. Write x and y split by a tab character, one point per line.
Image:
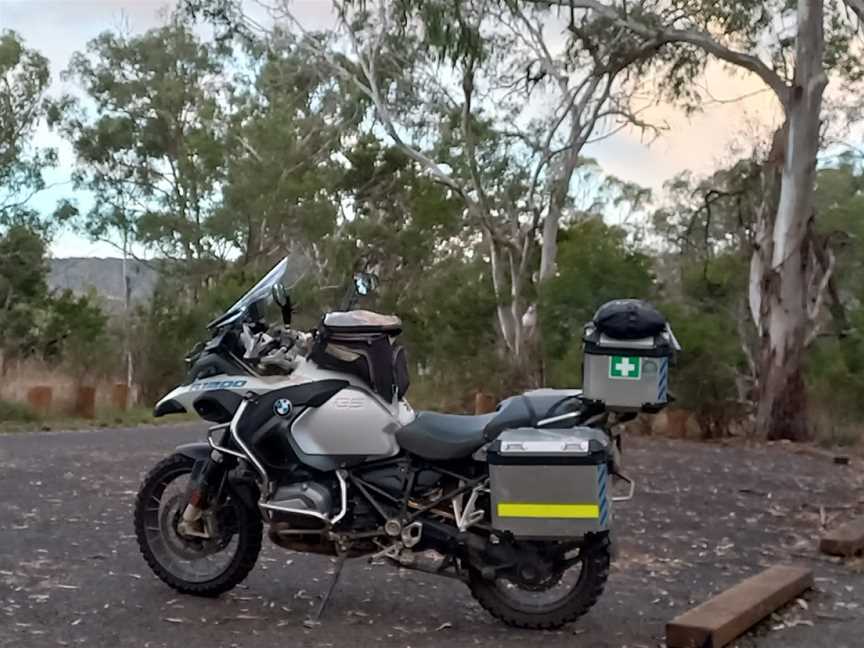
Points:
704	517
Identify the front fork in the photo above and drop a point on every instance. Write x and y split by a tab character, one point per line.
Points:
205	487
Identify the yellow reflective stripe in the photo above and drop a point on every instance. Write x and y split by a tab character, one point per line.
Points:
571	511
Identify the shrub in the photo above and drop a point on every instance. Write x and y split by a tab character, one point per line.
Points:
16	412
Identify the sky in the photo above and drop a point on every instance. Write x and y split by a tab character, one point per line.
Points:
698	143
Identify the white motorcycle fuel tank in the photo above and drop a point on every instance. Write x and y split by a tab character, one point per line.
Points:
353	422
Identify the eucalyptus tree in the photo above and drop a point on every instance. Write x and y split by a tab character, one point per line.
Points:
291	123
793	48
706	227
500	122
148	133
24	77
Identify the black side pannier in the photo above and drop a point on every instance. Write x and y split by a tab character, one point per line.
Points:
362	344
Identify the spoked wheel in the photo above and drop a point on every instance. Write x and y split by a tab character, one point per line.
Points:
193	565
535	597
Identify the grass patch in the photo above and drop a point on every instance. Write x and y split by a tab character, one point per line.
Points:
830	431
839	436
28	421
11	412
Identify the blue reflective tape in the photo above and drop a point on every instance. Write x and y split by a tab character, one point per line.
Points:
662	380
601	494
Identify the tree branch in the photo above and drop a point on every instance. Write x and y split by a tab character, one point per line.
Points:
857	7
697	37
816	305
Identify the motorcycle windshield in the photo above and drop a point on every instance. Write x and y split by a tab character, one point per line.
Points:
260	292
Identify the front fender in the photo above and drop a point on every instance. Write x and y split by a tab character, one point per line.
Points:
197	451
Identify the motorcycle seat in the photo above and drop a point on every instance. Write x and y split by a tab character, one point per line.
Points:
452	436
444	436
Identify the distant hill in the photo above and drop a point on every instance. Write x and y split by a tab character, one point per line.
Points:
83	275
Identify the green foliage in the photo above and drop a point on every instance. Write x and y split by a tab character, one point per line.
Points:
76	331
712	357
450	338
167	328
596	264
708	318
23	289
164	333
153	154
280	173
11	412
36	323
404	222
23	79
835	366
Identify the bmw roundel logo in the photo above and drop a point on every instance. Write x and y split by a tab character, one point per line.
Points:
282	407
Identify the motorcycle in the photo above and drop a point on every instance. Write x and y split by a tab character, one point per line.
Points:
312	436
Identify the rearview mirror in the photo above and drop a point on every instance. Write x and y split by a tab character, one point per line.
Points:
365	283
283	300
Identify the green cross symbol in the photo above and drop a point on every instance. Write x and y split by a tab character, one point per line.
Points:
625	367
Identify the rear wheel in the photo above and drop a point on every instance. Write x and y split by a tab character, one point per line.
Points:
549	600
193	565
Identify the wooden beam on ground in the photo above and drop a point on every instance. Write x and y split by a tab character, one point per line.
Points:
731	613
846	540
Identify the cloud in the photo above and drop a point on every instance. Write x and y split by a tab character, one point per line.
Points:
698	143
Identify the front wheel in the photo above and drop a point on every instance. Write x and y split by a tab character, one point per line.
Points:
561	596
193	565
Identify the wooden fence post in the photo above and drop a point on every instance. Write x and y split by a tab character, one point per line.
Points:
85	403
39	398
483	403
120	396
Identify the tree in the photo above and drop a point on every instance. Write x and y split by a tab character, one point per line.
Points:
153	153
403	223
75	331
597	264
34	321
23	80
500	122
290	122
707	226
23	290
789	272
835	367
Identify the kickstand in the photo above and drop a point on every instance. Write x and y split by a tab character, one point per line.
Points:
340	561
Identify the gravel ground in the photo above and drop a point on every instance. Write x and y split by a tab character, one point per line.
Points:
704	517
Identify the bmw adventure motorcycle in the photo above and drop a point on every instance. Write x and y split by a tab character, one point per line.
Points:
313	438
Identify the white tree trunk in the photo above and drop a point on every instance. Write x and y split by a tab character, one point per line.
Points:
549	243
786	266
506	322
